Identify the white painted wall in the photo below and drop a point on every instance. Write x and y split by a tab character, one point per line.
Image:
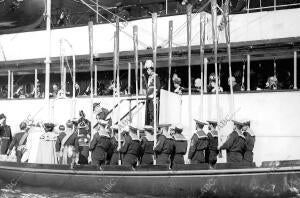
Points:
275	117
244	27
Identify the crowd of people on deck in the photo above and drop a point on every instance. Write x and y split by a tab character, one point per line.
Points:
105	86
72	143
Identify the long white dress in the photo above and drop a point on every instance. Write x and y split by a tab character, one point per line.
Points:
46	149
32	144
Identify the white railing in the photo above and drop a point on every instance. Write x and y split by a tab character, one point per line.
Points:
275	6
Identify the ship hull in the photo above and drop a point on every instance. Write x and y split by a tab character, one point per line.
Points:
241	182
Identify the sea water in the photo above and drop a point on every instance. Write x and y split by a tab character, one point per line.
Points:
19	191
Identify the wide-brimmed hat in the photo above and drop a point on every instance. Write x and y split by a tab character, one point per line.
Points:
49	127
148	64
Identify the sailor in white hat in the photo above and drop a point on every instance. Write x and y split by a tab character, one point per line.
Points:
235	144
131	147
100	144
180	144
164	147
199	144
212	148
147	143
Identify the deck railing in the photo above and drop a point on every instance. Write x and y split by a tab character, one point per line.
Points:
276	5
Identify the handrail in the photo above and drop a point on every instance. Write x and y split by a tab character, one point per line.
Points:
273	6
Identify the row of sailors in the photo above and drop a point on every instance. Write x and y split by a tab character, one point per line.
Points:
170	148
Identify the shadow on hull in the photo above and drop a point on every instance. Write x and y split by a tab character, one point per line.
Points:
270	180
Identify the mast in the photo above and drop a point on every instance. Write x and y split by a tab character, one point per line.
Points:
91	48
136	62
295	69
189	29
8	83
202	44
74	82
154	47
170	53
35	82
227	36
129	91
215	44
117	66
48	56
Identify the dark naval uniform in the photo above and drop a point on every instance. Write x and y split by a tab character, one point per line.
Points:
250	141
180	148
150	97
6	138
147	150
164	149
99	146
235	146
114	151
16	142
71	141
130	150
212	148
199	143
84	135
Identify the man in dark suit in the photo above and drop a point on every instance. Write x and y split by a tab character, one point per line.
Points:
19	141
5	135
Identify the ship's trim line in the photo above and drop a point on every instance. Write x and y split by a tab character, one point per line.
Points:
272	170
